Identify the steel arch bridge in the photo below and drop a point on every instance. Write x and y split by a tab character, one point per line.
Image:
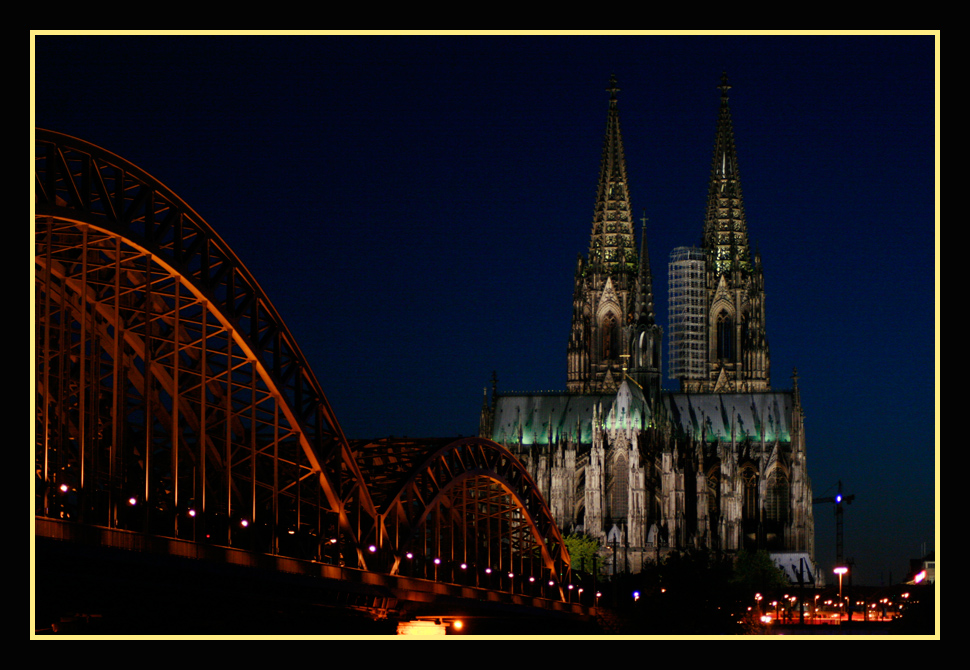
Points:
171	400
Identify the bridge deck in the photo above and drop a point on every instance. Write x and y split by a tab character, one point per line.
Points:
131	583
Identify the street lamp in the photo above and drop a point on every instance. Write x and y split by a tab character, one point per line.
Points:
841	570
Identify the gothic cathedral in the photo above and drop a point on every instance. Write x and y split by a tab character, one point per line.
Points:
718	464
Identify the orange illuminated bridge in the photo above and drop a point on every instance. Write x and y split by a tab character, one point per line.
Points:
180	435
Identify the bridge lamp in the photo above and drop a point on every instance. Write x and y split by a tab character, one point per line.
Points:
636	596
372	548
409	555
457	624
64	488
552	583
132	501
488	571
244	523
437	561
511	575
464	566
192	512
532	579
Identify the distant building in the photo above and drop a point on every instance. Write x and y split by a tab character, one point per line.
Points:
721	463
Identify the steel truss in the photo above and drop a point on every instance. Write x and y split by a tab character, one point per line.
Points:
171	399
463	511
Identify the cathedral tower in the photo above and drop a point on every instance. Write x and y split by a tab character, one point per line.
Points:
614	333
721	464
737	345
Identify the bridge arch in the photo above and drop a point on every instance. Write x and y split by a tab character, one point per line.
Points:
171	399
465	511
170	396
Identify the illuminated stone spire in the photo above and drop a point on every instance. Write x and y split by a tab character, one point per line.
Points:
645	291
614	334
738	358
645	334
612	247
725	227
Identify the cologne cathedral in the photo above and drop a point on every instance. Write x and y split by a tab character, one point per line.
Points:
718	464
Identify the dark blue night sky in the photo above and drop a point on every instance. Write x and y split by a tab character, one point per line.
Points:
414	207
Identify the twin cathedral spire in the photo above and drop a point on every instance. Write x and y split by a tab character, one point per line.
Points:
614	331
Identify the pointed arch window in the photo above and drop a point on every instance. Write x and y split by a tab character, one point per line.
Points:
725	336
609	335
714	506
619	493
749	480
776	497
776	508
713	493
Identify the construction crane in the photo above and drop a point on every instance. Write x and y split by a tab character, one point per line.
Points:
838	499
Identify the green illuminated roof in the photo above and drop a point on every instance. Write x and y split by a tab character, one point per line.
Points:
719	416
550	417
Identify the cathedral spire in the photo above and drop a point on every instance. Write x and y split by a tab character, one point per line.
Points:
725	226
614	334
737	345
646	315
612	248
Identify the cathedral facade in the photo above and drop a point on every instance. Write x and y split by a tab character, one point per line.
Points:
721	462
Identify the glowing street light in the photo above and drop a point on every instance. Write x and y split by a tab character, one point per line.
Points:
841	570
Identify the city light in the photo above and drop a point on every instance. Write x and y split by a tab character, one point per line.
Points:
840	570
